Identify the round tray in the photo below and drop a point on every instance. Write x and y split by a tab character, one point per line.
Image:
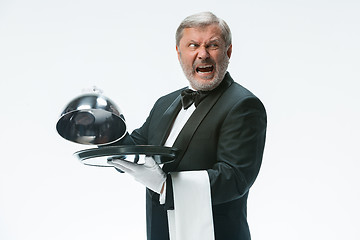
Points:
95	156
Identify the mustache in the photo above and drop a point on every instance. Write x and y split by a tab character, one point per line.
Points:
204	61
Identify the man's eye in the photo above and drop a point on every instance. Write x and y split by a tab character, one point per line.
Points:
214	45
193	45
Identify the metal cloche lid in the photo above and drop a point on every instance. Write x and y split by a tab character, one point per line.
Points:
91	118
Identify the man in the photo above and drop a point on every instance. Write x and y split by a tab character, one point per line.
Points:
221	140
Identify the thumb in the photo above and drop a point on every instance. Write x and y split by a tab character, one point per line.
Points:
149	162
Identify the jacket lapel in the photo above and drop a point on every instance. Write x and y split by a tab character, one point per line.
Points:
185	135
166	121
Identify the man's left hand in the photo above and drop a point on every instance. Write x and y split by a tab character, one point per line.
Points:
149	174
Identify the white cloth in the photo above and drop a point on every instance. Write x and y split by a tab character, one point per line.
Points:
191	218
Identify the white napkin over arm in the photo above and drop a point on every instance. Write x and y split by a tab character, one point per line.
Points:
192	217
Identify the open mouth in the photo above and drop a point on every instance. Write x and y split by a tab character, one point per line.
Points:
205	69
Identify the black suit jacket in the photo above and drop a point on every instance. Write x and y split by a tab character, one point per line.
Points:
225	136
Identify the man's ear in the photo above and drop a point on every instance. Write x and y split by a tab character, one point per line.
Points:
178	52
229	51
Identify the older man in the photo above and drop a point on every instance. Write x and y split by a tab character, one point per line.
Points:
219	127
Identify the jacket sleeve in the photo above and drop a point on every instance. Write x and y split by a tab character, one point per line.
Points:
138	136
239	152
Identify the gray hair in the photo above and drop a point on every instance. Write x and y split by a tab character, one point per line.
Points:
201	20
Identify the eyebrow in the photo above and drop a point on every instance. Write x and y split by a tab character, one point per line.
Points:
215	39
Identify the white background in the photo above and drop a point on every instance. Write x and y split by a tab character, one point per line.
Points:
300	57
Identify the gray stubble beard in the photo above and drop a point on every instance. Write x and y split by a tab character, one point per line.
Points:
208	86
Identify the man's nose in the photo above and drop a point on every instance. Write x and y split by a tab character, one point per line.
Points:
203	53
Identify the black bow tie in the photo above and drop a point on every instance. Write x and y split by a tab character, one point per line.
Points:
189	97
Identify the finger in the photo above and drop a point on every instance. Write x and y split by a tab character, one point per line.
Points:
120	167
123	157
124	163
149	162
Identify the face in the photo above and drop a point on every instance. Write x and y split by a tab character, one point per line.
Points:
203	56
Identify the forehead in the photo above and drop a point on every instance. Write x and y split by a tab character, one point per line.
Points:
202	34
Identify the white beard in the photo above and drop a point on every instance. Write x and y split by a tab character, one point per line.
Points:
220	71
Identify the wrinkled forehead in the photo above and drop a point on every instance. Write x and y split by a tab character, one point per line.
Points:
202	34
